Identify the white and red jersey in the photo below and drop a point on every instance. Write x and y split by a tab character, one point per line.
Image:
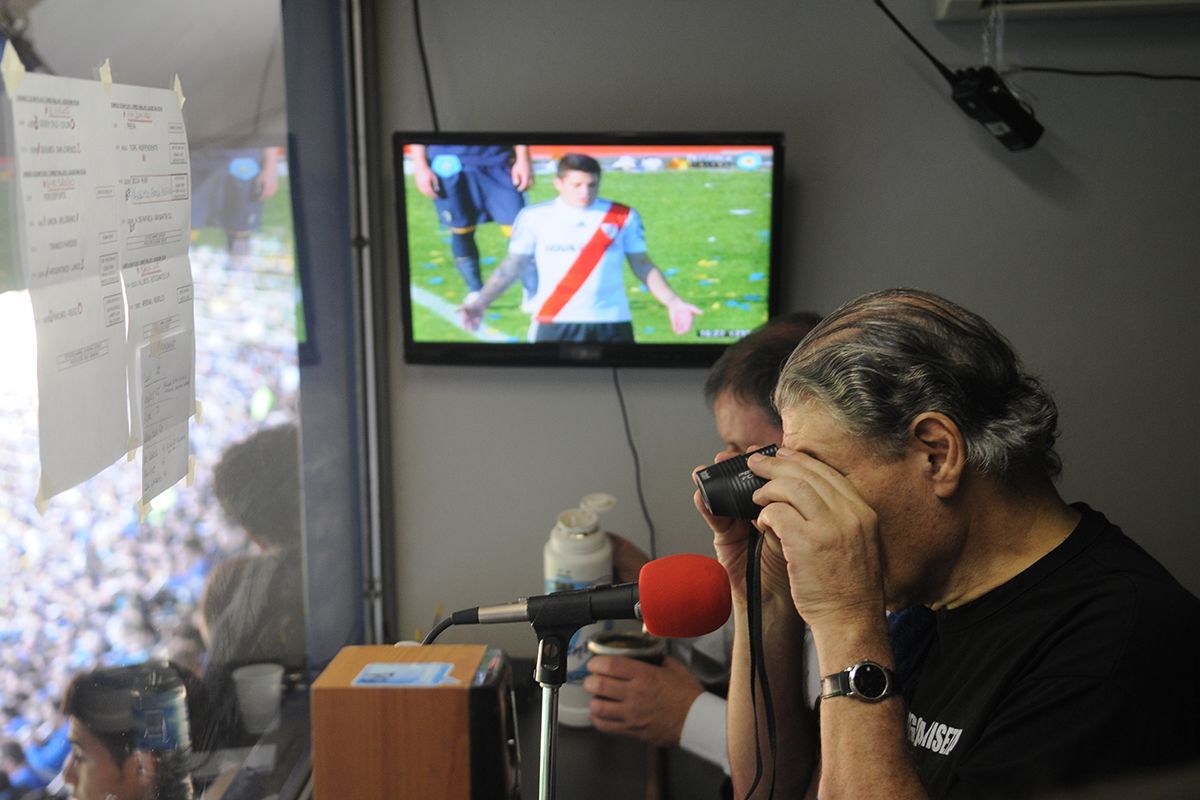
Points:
580	257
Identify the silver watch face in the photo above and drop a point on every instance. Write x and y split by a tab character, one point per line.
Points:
869	681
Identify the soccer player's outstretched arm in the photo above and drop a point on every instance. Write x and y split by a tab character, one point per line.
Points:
470	314
679	311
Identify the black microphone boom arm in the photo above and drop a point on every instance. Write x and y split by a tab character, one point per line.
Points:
576	607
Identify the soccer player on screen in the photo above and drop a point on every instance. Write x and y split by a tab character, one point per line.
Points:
470	185
579	243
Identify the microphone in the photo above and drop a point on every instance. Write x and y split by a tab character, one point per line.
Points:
676	596
684	595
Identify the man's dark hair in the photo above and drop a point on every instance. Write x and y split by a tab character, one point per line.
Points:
257	483
105	701
750	366
578	162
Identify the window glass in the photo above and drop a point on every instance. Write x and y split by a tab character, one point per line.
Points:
102	609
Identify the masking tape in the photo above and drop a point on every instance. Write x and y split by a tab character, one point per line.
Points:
44	493
12	69
104	71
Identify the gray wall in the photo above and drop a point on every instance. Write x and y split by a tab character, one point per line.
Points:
1084	251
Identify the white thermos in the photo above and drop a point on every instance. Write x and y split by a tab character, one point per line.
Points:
577	555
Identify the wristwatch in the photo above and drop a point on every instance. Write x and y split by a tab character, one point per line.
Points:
867	681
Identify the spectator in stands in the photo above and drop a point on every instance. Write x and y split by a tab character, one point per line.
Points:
118	750
20	777
253	605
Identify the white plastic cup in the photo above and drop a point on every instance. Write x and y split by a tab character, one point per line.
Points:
259	690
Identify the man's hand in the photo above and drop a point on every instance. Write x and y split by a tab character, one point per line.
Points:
679	312
522	172
640	700
783	650
426	180
829	537
682	314
470	314
628	559
730	537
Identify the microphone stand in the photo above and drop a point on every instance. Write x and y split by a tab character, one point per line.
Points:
555	618
554	640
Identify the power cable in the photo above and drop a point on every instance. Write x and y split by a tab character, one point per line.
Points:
425	63
637	466
1106	73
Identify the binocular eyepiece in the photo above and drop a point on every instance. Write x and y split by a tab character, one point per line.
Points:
727	486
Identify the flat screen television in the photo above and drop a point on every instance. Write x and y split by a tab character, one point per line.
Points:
611	249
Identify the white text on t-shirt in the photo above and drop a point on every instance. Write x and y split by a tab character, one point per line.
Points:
937	737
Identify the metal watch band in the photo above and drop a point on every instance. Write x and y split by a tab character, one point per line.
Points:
843	684
835	685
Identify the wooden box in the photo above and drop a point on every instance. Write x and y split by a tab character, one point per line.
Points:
431	722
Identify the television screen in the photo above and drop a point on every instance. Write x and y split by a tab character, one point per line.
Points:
585	249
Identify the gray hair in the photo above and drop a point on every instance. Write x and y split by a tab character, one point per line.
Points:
884	358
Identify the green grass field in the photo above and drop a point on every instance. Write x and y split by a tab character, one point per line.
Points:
10	261
707	230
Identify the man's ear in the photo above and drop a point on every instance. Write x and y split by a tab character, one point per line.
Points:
940	442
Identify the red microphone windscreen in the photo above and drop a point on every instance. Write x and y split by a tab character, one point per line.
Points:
683	595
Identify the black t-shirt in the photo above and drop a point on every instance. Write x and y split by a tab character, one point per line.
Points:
1081	667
